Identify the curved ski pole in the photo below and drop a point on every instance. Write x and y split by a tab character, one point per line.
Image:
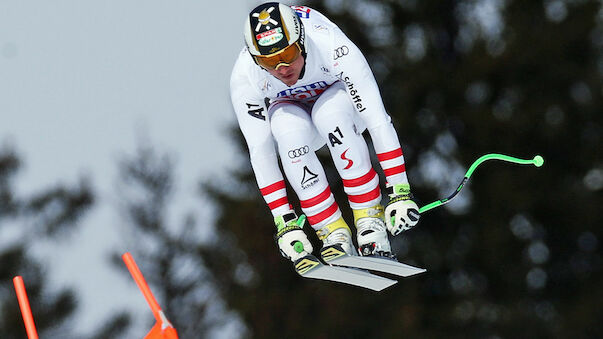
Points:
536	161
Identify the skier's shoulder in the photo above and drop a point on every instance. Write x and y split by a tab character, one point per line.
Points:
243	66
318	34
245	72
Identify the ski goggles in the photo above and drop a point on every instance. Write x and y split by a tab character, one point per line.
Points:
284	57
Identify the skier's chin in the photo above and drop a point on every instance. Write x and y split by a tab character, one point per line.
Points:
289	80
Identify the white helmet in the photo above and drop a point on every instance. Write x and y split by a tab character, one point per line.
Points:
272	27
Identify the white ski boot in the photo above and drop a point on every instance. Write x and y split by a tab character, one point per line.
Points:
336	238
372	232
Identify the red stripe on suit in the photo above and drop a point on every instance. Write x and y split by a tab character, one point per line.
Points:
361	180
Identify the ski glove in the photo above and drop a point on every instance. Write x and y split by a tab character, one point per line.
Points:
290	237
401	213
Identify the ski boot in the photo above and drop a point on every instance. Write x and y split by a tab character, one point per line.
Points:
336	238
372	232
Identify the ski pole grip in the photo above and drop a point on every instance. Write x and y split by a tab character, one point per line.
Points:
298	246
538	161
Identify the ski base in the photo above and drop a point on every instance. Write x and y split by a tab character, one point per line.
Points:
334	255
310	267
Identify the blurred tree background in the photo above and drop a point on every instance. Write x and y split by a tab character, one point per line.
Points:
26	222
519	254
168	251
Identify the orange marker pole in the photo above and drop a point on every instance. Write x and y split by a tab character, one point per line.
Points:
142	285
162	329
30	327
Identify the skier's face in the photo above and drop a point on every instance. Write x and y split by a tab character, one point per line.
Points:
289	74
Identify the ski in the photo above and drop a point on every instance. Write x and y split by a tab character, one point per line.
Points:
334	255
310	267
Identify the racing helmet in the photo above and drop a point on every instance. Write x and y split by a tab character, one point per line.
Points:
274	35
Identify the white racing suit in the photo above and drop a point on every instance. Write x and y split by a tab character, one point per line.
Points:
333	102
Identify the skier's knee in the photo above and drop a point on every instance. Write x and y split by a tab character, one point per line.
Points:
285	125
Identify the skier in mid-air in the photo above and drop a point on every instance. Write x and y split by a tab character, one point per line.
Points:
300	83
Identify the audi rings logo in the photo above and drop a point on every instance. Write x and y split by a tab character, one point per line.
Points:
341	51
295	153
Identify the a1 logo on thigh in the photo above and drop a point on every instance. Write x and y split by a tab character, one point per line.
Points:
333	139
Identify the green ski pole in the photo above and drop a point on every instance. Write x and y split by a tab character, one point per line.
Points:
536	161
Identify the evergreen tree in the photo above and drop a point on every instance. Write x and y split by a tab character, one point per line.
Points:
520	255
166	252
24	221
